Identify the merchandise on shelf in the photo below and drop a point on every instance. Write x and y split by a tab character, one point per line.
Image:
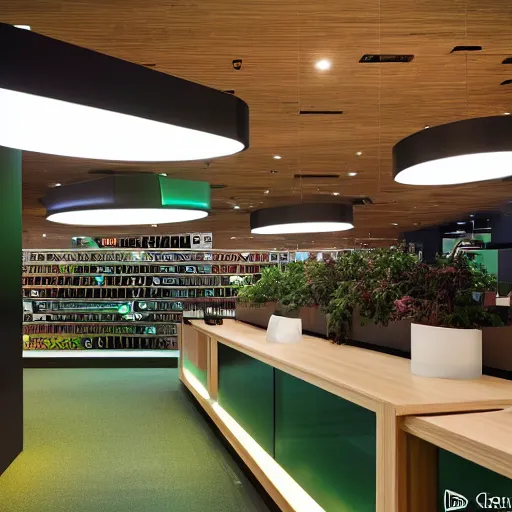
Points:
128	299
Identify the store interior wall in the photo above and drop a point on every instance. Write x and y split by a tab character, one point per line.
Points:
11	370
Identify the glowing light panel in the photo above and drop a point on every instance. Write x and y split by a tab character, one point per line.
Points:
45	125
302	227
126	216
458	169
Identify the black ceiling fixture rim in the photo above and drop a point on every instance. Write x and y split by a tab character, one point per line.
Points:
42	66
119	192
466	137
302	213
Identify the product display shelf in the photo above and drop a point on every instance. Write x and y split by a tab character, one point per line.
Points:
117	303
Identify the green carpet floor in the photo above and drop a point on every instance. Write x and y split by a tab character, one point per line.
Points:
119	440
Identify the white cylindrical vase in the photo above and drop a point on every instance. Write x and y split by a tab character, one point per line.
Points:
446	353
284	330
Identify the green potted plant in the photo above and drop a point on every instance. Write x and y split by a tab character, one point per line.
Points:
446	335
256	302
280	292
362	289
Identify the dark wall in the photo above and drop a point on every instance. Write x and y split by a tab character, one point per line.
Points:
11	371
431	240
502	233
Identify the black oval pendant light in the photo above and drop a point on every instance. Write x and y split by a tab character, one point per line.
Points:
460	152
302	218
128	201
66	100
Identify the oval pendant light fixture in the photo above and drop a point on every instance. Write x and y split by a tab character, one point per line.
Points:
128	201
302	218
453	153
62	99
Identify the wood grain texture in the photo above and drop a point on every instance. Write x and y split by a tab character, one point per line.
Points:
279	43
386	463
417	474
365	377
213	368
484	438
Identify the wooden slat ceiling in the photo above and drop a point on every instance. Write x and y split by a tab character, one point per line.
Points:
279	43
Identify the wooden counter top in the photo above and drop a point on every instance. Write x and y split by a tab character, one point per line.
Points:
484	438
369	378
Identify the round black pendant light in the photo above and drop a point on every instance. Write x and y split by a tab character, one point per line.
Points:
66	100
302	218
127	201
460	152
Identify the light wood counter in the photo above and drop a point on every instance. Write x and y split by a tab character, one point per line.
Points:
405	465
484	438
362	376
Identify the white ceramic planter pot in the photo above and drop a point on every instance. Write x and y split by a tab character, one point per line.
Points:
446	353
284	330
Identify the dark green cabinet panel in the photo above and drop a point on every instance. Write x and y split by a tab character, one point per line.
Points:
199	374
469	479
246	392
327	444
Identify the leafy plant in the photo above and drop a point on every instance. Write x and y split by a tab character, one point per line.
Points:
364	281
442	295
287	286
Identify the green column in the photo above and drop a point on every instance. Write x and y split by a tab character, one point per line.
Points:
11	363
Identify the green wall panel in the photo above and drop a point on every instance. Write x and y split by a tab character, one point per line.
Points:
327	444
246	392
199	374
469	479
11	367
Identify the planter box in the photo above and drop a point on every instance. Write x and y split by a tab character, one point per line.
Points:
254	314
396	335
313	320
497	347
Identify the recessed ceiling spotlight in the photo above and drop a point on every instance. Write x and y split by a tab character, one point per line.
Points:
461	223
163	174
323	64
394	223
506	113
44	235
335	193
276	157
351	173
471	215
266	191
58	185
233	238
154	225
426	127
236	207
359	153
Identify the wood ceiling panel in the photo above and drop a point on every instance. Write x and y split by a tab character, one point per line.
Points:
279	43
